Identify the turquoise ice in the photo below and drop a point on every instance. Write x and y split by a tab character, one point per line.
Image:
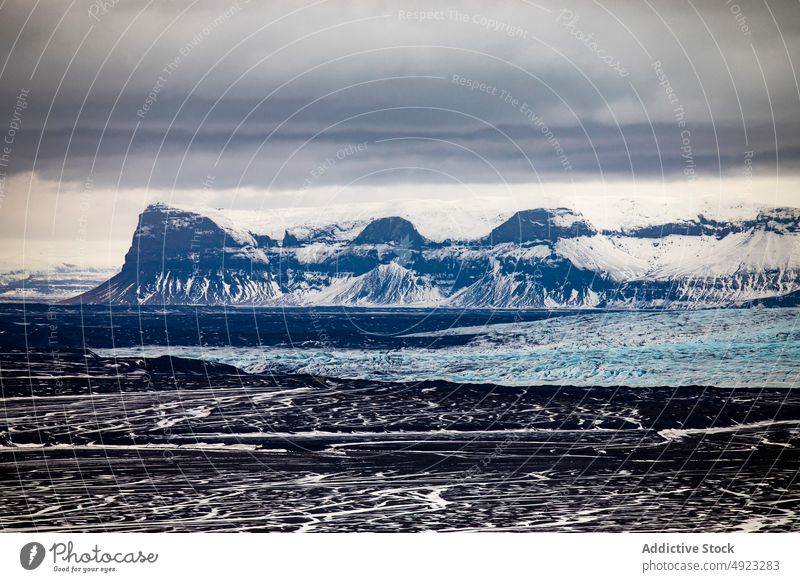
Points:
725	348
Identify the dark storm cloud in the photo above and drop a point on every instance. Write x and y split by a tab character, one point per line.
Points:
171	93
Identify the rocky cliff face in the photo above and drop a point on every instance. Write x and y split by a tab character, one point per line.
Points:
539	258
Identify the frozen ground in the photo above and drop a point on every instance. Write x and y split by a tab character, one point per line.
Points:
114	443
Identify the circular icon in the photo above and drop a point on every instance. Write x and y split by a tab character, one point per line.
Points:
31	555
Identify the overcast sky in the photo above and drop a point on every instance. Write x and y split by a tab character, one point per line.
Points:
107	105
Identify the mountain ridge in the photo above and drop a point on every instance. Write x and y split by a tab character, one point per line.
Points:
537	258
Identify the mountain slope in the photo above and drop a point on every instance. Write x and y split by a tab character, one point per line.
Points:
537	258
386	285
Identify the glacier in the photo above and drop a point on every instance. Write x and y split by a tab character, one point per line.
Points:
721	348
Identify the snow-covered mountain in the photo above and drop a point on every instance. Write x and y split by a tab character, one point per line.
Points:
58	282
537	258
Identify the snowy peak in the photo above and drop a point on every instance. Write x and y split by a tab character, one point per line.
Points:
162	219
386	285
501	289
169	237
540	225
166	235
391	230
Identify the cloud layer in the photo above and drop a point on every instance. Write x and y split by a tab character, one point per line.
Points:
106	105
168	94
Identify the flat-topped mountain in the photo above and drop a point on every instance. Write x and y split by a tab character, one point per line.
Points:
537	258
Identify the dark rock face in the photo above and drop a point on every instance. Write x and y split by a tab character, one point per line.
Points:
540	225
391	230
777	220
538	258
